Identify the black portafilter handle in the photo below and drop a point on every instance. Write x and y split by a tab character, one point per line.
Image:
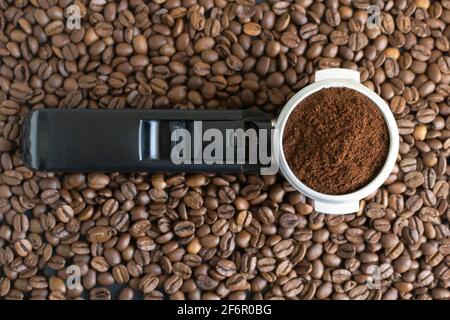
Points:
74	140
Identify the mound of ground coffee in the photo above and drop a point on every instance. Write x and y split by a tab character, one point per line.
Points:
336	141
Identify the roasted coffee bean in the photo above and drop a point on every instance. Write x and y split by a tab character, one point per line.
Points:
99	264
236	282
97	181
283	248
172	284
64	213
209	241
193	200
126	294
12	178
100	294
120	274
100	234
20	223
50	196
117	80
23	247
184	229
8	107
205	282
266	264
251	29
148	283
226	268
293	287
5	286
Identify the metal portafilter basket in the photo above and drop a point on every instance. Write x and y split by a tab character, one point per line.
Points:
70	140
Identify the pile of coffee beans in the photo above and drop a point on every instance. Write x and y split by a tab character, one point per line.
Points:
211	236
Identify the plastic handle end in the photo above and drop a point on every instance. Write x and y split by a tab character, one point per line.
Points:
337	73
336	208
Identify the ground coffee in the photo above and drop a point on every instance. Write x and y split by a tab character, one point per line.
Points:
336	141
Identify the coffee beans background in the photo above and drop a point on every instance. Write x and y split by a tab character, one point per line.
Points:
206	236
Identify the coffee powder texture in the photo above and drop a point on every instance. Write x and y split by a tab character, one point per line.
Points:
336	141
